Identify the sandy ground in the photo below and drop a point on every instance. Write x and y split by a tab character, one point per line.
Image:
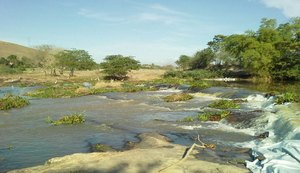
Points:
153	154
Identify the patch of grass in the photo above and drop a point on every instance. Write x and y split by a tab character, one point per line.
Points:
286	97
188	119
69	119
224	104
101	148
178	97
10	101
210	116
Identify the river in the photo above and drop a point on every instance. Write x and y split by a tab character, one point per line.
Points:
26	139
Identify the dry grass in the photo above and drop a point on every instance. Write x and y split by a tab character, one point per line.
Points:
145	74
37	76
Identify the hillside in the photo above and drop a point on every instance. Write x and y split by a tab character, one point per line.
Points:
7	49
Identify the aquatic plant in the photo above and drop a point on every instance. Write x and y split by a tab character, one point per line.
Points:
101	148
286	97
188	119
224	104
213	116
10	101
69	119
178	97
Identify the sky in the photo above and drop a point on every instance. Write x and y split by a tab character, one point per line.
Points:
153	31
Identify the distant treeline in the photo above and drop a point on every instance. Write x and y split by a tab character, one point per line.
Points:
271	52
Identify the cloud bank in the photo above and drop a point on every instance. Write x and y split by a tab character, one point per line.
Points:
290	8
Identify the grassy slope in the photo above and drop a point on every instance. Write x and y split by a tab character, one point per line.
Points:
7	49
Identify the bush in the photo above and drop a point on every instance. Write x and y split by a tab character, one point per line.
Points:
224	104
287	97
70	119
178	97
11	101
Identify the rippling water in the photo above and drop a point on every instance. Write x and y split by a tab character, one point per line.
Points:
26	139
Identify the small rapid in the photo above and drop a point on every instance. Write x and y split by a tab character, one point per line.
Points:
115	119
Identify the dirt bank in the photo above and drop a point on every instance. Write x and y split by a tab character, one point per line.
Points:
152	154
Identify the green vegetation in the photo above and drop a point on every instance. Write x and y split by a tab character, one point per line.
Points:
117	66
271	52
224	104
188	119
101	148
178	97
76	90
217	116
287	97
13	64
207	116
74	59
69	119
10	101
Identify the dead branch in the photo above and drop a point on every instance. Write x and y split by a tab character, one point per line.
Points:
188	151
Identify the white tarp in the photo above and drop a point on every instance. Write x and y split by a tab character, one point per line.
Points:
282	157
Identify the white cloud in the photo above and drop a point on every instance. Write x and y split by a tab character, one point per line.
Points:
290	8
99	16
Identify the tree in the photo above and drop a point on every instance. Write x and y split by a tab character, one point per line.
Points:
74	59
183	62
118	66
202	59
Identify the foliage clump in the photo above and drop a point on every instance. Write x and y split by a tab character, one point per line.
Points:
101	148
116	67
10	101
69	119
224	104
178	97
287	97
209	116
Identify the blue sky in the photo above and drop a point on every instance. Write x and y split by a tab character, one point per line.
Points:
152	31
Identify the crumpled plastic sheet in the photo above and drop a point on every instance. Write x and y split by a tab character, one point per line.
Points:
282	157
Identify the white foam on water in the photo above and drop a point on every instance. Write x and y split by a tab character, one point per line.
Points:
258	101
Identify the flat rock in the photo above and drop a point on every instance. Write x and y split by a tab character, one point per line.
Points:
152	154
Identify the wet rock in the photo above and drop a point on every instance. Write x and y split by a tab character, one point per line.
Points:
262	136
163	86
260	158
86	85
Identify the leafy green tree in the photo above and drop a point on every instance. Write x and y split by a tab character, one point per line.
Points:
118	66
183	62
74	59
202	59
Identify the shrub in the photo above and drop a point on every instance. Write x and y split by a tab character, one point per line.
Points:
287	97
224	104
69	119
11	101
209	116
178	97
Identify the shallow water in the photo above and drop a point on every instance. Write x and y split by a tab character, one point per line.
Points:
26	139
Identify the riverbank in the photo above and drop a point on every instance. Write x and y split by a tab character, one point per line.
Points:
153	154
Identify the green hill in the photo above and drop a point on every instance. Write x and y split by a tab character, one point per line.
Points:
7	49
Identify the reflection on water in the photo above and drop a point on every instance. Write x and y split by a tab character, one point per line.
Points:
111	119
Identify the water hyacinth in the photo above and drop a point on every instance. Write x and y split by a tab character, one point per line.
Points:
10	101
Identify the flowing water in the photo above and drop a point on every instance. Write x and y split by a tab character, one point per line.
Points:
26	139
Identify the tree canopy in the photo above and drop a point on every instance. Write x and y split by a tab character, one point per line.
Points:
118	66
273	51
